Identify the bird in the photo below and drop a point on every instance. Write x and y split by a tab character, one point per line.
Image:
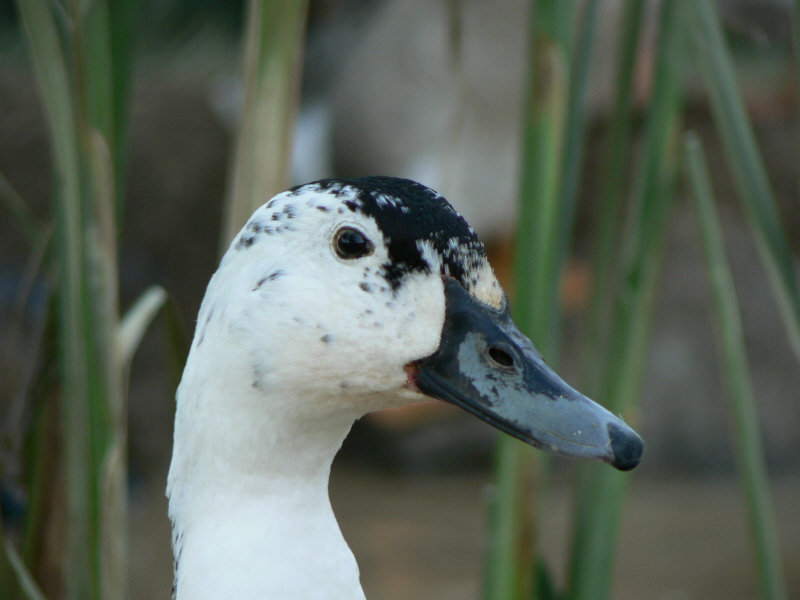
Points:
338	298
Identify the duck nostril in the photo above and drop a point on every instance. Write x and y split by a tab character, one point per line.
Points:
501	358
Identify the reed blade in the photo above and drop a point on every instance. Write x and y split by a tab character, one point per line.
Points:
17	582
135	322
272	68
745	163
553	140
614	188
72	54
30	226
601	491
733	356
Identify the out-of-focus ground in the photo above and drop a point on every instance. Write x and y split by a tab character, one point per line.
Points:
411	489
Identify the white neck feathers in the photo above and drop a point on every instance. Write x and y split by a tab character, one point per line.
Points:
249	502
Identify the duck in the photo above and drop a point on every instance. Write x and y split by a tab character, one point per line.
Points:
338	298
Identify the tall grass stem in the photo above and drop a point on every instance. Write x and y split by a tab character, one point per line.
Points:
81	71
26	220
749	446
261	164
520	472
18	584
613	191
745	163
601	491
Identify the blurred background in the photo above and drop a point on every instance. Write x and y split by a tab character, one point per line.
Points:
383	92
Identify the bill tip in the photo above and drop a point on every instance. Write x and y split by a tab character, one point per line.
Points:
626	445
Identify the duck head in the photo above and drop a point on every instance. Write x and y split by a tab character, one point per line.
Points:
367	293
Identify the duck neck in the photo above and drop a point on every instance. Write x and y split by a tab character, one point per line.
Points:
248	495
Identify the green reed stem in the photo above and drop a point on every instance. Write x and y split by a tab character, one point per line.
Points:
273	55
746	164
601	491
520	471
749	447
606	245
81	70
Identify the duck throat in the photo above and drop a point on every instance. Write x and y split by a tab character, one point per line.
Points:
248	499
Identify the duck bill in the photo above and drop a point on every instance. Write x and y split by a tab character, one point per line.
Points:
487	367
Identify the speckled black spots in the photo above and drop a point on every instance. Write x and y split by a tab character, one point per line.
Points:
276	216
411	216
259	375
255	227
281	228
271	277
326	339
245	241
323	208
202	333
289	211
368	311
393	273
365	286
177	545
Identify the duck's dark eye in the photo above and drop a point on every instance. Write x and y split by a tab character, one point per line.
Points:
351	243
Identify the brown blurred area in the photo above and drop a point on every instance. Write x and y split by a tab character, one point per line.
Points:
411	487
